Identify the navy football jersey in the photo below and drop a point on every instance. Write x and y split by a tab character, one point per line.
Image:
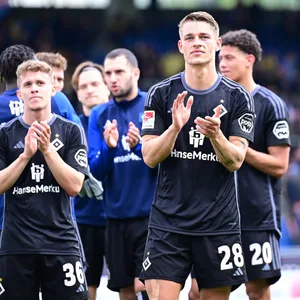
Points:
195	193
37	211
259	193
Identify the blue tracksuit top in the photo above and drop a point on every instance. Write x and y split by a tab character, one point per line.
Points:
129	184
11	107
89	211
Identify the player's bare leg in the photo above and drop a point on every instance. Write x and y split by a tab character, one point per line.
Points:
158	289
221	293
194	291
92	292
258	289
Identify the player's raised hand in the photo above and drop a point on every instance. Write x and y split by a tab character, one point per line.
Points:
180	112
111	134
133	135
210	126
43	134
30	146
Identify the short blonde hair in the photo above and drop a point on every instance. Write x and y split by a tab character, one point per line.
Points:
34	66
55	60
200	16
85	66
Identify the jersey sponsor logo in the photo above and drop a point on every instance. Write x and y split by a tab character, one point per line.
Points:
81	158
223	109
16	107
37	172
281	130
149	119
57	144
246	122
196	138
125	144
36	189
194	155
125	158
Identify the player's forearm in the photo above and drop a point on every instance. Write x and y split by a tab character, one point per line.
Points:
230	155
67	177
266	163
157	149
10	175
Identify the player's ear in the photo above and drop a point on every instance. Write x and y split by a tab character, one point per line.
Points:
219	44
53	90
19	95
180	46
137	72
251	59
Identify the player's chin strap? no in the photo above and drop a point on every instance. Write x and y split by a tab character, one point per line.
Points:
92	188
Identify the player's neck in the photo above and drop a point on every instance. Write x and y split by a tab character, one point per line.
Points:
132	95
86	111
248	83
31	116
200	77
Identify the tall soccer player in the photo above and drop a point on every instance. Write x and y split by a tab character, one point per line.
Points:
196	127
39	245
266	161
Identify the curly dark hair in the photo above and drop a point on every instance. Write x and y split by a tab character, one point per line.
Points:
11	58
245	40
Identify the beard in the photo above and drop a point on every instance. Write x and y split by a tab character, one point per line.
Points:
123	93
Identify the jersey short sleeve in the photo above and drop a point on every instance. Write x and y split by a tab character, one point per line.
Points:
154	115
243	119
277	125
77	151
3	161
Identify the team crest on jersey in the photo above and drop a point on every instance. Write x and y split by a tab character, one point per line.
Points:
246	122
148	119
281	130
81	158
2	290
223	109
57	144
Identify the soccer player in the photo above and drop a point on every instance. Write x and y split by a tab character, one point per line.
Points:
39	245
115	158
266	161
11	106
196	127
58	63
88	82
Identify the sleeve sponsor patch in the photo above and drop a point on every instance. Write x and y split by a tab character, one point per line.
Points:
246	122
148	119
281	130
81	158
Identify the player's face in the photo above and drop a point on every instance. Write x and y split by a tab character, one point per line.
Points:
59	78
36	90
120	77
91	89
198	43
233	63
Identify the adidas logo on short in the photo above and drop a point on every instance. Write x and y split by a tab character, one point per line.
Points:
80	289
266	267
238	272
19	145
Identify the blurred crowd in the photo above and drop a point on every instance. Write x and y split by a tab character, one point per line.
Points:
152	36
